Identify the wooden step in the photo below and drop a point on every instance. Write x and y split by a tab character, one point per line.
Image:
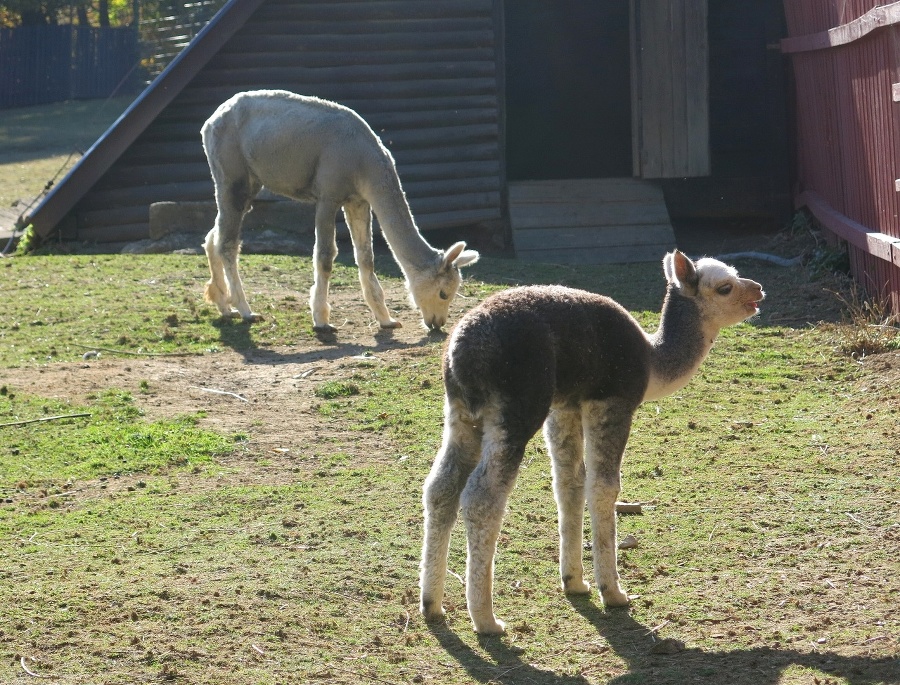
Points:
589	221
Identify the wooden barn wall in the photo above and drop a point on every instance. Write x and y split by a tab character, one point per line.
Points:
848	135
423	74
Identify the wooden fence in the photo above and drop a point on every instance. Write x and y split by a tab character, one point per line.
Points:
44	64
846	64
162	38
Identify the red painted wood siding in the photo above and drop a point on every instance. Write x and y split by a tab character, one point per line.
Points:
846	56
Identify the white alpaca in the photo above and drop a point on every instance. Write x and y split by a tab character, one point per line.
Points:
578	364
314	150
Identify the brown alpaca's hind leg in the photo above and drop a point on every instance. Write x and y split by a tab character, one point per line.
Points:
607	425
459	453
565	440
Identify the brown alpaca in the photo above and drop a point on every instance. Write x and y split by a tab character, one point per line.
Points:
579	365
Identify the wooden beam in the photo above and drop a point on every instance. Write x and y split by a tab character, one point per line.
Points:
843	34
871	242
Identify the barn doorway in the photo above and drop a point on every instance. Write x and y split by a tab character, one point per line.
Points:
568	90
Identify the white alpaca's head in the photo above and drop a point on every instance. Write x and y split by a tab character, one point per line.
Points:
431	290
724	297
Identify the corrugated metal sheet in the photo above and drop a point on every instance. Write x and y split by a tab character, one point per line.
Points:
846	58
424	75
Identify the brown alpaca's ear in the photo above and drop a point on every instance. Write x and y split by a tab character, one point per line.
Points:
680	271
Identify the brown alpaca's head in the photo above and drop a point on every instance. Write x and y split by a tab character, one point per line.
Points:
724	298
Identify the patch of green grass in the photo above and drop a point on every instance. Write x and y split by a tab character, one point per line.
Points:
108	438
333	389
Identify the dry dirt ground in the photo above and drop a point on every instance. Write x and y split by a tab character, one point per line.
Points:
265	393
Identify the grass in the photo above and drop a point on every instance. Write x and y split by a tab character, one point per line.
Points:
39	144
143	550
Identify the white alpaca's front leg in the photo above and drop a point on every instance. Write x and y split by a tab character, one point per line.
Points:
359	219
324	252
606	427
565	440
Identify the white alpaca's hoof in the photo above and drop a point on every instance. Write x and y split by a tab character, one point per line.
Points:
614	597
392	324
252	318
325	328
432	614
577	586
493	627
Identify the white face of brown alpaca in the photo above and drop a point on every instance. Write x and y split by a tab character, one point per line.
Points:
432	291
724	298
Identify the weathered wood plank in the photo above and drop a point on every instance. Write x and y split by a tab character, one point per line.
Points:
362	29
399	90
443	203
457	153
580	237
428	221
611	214
341	74
145	195
373	43
265	56
373	10
448	135
128	176
451	186
621	254
583	190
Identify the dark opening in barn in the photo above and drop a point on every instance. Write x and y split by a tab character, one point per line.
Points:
567	89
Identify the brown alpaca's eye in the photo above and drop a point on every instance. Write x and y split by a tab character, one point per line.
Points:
443	295
724	289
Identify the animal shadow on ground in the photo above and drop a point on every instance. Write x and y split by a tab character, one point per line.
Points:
237	335
632	642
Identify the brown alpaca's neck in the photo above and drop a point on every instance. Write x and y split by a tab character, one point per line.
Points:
679	346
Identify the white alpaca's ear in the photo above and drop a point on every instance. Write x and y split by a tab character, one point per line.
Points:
458	256
680	270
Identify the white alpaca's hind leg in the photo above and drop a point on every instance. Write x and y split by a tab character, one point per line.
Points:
324	253
458	455
359	219
565	440
483	504
606	427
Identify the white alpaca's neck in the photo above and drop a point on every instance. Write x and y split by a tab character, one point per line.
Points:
398	227
678	347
